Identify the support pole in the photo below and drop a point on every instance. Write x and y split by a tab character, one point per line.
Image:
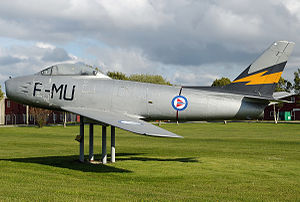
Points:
27	115
91	143
65	119
81	146
276	115
113	144
104	154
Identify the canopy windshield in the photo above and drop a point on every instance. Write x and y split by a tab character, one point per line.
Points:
69	69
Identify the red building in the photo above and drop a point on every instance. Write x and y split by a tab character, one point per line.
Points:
15	113
293	108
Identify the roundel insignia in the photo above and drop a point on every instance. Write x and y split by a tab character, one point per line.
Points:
179	103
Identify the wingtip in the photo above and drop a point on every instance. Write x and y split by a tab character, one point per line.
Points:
177	136
164	136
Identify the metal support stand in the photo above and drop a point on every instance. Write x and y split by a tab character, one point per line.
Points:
113	144
65	119
104	154
91	143
81	147
27	115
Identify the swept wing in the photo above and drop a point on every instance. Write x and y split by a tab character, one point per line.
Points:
122	121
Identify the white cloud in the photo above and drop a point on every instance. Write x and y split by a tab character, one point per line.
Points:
205	74
45	45
132	13
117	59
21	60
292	5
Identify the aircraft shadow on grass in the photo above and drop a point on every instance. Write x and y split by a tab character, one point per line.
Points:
136	158
71	162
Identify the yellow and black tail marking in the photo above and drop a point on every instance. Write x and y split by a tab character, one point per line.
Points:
260	83
260	78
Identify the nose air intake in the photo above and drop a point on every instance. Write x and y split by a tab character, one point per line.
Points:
17	88
8	86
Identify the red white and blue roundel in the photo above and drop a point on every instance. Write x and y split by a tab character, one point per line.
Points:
179	103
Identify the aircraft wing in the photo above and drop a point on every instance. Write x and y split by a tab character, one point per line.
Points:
282	95
122	121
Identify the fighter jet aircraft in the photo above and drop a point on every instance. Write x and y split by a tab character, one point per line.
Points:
82	90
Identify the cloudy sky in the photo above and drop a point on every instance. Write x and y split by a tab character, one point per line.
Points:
189	42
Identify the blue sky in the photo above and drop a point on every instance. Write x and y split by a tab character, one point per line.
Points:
188	42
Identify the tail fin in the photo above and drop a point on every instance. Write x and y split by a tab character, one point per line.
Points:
261	77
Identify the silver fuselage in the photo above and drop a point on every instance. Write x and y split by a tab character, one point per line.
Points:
148	101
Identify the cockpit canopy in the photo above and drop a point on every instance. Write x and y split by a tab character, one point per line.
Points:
71	69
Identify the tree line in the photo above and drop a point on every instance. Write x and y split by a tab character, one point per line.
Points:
145	78
1	93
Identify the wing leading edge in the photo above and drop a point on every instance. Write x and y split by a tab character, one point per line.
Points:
122	121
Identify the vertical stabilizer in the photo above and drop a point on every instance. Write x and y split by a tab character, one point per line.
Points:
261	77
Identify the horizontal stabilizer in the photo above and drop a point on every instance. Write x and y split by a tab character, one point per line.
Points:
282	95
122	121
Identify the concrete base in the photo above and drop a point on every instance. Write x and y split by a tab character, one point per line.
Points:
104	154
113	144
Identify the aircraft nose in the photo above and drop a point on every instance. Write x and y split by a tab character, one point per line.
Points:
9	87
17	88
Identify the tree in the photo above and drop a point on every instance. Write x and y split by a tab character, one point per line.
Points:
147	78
283	85
1	93
221	82
117	75
40	115
276	114
297	80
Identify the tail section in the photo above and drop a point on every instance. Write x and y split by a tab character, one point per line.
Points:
261	77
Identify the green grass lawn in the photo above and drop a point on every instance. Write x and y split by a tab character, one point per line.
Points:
214	162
